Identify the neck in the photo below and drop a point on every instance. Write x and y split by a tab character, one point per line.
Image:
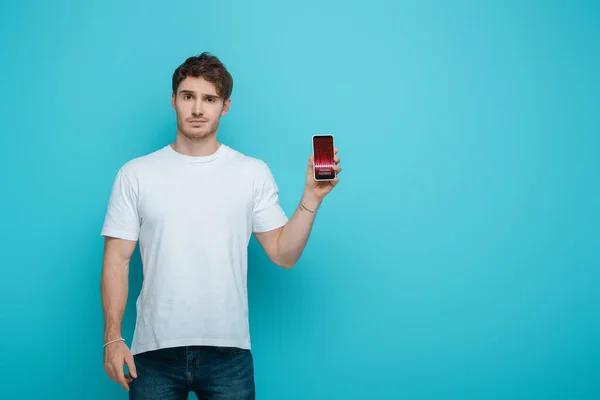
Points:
199	147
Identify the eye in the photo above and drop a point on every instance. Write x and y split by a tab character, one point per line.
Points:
187	96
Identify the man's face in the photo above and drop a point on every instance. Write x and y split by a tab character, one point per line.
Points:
199	108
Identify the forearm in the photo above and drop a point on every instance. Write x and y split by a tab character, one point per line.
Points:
294	236
114	287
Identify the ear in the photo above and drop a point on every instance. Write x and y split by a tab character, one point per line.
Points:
226	105
173	102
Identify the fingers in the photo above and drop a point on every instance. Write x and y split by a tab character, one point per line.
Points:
130	365
309	168
335	181
337	168
124	384
118	376
116	358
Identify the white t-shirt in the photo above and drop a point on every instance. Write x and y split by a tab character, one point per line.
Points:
193	217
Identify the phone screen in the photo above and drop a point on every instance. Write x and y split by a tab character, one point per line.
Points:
323	157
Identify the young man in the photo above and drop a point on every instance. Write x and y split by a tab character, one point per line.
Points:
193	205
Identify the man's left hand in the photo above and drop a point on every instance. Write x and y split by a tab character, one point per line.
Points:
320	189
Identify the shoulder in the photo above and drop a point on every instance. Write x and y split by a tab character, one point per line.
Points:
249	164
254	170
138	165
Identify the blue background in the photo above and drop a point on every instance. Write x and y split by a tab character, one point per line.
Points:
457	258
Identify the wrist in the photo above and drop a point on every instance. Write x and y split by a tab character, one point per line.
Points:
310	201
114	341
112	335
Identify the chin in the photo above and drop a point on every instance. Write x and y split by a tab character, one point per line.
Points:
196	134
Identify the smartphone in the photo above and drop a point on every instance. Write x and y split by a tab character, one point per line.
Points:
323	157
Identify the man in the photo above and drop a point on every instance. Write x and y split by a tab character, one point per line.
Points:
193	205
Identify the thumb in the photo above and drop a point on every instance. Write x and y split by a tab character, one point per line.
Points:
131	365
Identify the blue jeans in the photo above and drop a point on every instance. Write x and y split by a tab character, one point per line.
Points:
210	372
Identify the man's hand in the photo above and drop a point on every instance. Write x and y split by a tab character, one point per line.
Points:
115	356
285	245
319	189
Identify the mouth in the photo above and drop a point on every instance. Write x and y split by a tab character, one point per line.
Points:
197	121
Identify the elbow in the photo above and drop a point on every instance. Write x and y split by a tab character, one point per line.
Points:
283	257
285	264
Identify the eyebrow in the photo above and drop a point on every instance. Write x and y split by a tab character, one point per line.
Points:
194	93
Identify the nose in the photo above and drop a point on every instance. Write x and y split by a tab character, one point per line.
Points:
197	108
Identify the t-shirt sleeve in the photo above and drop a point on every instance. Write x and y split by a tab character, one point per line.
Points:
267	213
122	217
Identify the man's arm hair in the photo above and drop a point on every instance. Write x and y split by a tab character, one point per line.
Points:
114	284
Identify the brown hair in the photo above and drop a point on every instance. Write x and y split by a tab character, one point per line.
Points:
208	67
